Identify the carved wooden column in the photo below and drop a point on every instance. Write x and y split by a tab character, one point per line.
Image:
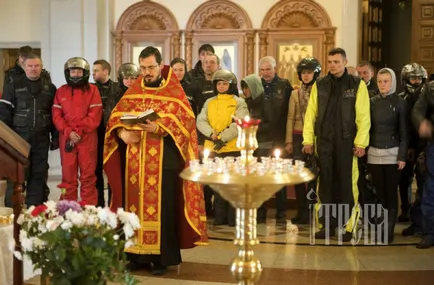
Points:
176	44
189	49
263	44
118	50
328	44
250	46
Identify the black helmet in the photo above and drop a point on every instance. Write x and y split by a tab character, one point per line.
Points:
77	63
309	63
225	75
413	70
127	70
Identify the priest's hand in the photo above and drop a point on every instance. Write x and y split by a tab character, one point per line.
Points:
129	137
150	127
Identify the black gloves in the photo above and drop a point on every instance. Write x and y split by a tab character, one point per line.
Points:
54	145
218	144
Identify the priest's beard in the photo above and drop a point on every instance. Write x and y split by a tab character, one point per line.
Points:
150	82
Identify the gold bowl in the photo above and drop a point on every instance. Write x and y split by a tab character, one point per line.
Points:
247	191
6	216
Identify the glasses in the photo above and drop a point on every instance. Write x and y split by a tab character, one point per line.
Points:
150	68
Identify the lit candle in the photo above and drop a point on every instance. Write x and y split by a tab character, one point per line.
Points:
246	119
277	153
205	154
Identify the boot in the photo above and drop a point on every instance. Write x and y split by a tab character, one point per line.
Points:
322	234
426	242
302	207
391	220
411	231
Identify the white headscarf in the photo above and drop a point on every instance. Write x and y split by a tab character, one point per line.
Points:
392	73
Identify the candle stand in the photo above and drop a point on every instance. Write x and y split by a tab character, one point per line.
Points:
246	183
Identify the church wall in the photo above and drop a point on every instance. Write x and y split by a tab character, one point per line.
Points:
27	30
77	27
340	11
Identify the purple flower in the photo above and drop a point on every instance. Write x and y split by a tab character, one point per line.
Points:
64	205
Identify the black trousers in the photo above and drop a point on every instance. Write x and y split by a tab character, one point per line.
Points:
36	172
337	192
170	249
301	190
99	171
385	178
405	183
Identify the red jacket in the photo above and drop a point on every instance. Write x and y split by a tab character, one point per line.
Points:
75	110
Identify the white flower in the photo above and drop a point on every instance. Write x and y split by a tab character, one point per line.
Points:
23	235
91	208
51	207
129	243
42	228
102	216
38	243
116	237
54	223
91	220
76	219
27	244
129	218
112	220
18	255
66	225
107	217
30	210
128	230
134	220
20	219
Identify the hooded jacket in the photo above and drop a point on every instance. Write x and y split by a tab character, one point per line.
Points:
257	110
389	122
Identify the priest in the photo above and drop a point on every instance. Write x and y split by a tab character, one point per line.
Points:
143	162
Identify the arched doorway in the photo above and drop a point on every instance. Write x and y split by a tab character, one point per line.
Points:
227	27
146	23
293	29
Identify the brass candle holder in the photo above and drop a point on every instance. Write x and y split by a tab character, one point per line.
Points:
246	184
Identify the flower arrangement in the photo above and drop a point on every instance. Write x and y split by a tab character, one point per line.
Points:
73	243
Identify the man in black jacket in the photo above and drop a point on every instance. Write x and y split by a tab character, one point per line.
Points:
413	76
276	102
110	95
18	69
337	121
26	108
423	118
16	72
198	69
366	72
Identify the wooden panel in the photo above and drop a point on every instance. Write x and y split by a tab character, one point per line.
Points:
422	50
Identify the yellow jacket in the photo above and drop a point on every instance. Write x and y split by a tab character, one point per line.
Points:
216	117
362	116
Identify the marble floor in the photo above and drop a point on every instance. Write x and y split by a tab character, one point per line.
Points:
289	256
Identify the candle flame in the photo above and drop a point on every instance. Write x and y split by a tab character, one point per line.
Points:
246	118
277	153
205	153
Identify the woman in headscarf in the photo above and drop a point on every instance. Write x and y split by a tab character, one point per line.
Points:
308	70
387	151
